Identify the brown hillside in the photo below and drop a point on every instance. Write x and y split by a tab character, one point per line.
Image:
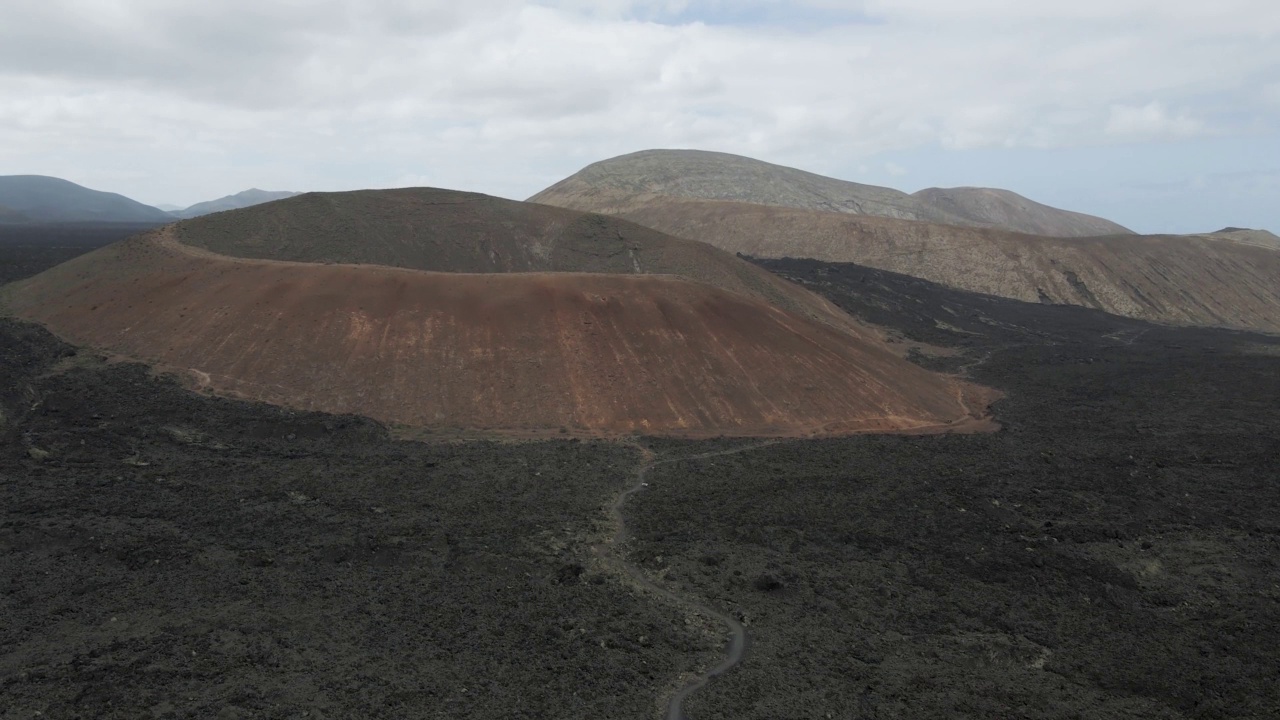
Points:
1200	280
622	184
451	231
595	353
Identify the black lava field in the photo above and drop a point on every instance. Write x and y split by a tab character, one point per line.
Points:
1112	552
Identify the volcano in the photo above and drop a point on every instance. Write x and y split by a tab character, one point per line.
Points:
455	311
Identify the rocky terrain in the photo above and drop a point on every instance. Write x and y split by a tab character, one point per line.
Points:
1110	553
1093	559
622	185
164	555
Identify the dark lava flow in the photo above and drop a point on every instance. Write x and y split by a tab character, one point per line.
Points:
164	554
737	646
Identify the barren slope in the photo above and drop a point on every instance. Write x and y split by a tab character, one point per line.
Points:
451	231
1010	211
1200	280
629	182
593	353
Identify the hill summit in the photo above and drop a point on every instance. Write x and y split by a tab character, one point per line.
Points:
625	183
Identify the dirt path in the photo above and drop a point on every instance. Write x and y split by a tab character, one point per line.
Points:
611	554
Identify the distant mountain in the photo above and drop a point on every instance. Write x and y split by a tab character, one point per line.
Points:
48	199
245	199
622	184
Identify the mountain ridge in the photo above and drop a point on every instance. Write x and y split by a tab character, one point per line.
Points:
624	183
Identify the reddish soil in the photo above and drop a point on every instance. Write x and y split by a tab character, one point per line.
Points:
592	354
461	232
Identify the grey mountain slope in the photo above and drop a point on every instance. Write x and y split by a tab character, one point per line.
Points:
622	183
48	199
1011	211
245	199
628	182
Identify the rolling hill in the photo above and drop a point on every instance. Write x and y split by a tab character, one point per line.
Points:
457	311
39	198
620	185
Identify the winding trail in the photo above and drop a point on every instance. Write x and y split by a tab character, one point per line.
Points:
610	553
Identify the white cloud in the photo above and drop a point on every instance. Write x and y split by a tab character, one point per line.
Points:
1149	122
505	96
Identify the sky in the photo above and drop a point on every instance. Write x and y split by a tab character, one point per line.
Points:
1163	115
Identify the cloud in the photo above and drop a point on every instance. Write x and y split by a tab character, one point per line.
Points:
506	96
1149	122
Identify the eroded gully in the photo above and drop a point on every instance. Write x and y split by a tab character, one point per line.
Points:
611	553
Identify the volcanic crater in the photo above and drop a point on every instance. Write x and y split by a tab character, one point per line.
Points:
454	311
